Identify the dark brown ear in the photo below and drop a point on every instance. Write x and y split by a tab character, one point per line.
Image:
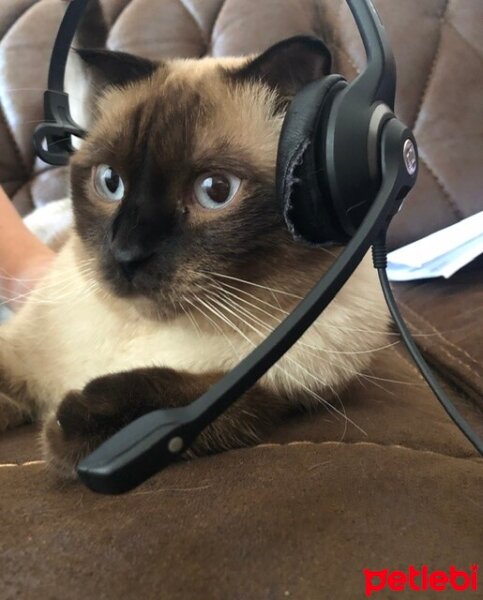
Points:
290	65
116	68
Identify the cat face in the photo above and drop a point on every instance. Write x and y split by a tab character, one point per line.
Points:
176	180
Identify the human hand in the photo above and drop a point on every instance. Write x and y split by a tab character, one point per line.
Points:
24	259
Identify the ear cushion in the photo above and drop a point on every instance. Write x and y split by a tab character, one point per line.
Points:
306	206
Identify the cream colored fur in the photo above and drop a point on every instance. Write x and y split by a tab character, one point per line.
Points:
72	331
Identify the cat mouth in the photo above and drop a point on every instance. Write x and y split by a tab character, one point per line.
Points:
131	287
128	278
153	296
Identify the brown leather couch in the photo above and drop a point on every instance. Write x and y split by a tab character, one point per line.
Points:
302	514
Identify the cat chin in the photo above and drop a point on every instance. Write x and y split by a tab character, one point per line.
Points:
154	310
148	304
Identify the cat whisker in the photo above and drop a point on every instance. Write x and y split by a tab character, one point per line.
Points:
305	387
373	309
25	290
40	295
189	316
325	351
74	272
333	362
323	383
210	308
286	313
257	285
216	327
318	349
383	315
328	325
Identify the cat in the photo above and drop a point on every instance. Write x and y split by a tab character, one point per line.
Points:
180	262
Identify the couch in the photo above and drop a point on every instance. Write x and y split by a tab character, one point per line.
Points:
302	514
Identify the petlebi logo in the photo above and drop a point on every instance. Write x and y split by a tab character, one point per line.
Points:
421	579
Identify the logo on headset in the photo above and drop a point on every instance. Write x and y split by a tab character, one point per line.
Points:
421	580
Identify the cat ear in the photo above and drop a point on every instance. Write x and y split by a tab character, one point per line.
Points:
290	65
116	68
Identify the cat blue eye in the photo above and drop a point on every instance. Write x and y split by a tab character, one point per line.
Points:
216	190
108	183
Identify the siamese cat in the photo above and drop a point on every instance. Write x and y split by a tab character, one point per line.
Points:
180	262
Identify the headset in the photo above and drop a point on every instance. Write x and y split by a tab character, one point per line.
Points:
345	164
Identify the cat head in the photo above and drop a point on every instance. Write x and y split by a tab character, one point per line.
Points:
174	186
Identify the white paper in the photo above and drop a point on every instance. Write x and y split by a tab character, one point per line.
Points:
440	254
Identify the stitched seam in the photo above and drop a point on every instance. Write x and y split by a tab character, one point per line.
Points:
337	45
119	15
15	21
215	25
471	457
458	32
3	116
455	384
400	354
442	20
143	43
16	148
319	26
196	22
347	55
338	20
29	463
16	180
451	381
450	200
440	335
443	338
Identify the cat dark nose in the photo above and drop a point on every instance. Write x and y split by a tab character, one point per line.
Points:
130	259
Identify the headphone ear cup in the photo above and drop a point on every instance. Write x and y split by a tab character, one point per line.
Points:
306	204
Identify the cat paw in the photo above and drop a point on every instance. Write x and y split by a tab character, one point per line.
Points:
84	420
80	425
12	414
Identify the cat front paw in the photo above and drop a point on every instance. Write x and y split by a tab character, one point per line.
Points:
82	422
12	414
86	418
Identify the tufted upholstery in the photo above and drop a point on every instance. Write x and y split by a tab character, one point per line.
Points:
438	45
301	515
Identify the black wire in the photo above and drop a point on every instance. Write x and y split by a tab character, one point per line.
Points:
380	263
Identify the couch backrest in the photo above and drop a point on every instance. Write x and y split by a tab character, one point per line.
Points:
437	43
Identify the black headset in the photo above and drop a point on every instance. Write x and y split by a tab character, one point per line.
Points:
345	165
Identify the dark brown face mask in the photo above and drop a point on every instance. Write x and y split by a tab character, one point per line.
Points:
345	164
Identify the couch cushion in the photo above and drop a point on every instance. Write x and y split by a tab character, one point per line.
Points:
455	345
299	521
299	516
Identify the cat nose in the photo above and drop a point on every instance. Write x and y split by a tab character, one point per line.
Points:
130	259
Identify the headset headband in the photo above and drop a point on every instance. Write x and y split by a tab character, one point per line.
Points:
52	139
